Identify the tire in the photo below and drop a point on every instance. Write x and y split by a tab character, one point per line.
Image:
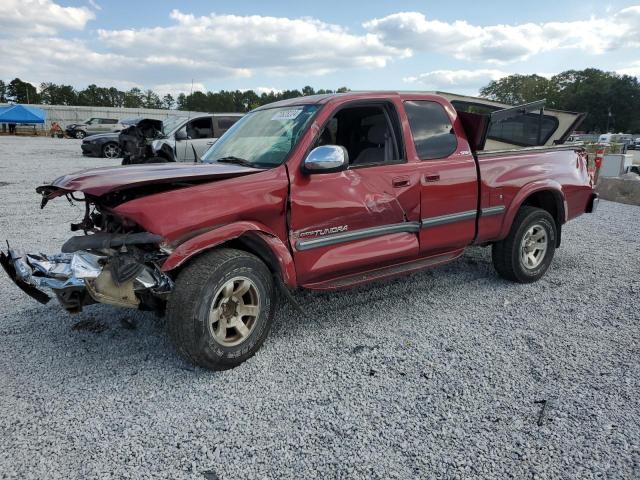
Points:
200	301
519	257
111	150
79	134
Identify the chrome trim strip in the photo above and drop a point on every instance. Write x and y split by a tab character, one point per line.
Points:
451	218
302	245
486	212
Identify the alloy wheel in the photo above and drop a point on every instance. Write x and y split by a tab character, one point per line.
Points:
111	150
234	311
533	246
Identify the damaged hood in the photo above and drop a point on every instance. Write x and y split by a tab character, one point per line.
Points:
100	181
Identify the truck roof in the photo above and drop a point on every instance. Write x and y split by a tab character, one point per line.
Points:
324	98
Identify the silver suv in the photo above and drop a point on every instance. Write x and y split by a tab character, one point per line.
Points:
185	139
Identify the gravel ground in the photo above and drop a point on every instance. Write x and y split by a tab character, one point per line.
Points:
434	376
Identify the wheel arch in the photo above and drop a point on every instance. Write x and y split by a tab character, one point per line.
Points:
547	195
246	236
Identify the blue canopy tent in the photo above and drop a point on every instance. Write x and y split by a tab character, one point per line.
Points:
21	114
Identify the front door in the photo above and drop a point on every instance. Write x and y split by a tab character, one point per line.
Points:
448	178
366	216
199	138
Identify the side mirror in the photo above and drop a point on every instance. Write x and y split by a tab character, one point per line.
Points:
326	159
181	135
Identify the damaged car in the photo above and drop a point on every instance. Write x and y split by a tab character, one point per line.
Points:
321	192
176	139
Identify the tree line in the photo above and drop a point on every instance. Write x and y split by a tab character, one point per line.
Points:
611	101
18	91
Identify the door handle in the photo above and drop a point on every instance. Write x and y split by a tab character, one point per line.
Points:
210	143
432	177
400	182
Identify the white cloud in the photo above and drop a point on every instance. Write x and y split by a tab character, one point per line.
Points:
261	90
176	89
465	79
633	69
505	43
41	17
220	44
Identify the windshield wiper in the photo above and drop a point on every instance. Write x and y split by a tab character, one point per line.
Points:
235	160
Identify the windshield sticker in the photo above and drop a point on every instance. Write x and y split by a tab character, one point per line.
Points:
283	115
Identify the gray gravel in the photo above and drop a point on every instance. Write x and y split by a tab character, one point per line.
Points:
435	375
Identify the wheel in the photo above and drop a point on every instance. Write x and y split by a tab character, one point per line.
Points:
111	150
525	255
80	134
221	309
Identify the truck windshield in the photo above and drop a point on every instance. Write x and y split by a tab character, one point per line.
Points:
262	138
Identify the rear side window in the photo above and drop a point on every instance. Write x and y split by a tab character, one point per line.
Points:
431	129
224	124
108	121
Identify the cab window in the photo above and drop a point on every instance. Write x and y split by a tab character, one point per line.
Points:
366	132
200	128
431	129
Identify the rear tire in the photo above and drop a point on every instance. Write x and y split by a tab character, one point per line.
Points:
221	309
525	255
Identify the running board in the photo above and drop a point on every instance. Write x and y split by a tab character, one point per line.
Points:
349	281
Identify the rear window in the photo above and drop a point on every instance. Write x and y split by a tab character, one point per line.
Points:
431	129
523	130
226	123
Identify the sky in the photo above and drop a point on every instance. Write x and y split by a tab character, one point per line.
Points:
172	47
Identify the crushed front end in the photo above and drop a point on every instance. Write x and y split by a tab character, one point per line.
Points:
114	262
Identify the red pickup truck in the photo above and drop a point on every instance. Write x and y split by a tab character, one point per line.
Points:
321	192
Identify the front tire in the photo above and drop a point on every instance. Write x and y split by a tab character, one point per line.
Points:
80	134
221	309
525	255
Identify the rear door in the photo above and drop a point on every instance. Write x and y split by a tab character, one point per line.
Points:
366	216
448	176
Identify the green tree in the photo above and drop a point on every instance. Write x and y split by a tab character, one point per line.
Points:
134	98
518	89
168	101
609	99
3	92
152	99
21	92
52	94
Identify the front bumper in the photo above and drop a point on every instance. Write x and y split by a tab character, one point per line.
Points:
82	278
592	205
91	149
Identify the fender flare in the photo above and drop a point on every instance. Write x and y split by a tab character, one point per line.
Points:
525	192
218	235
